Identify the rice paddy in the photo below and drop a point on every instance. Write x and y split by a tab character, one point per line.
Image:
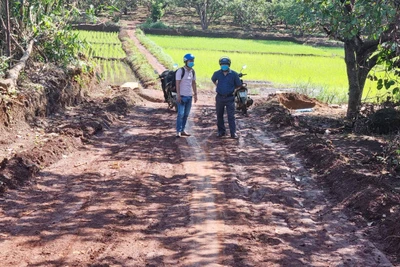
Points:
317	71
106	49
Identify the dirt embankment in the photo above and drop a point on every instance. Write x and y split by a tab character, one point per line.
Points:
358	170
34	128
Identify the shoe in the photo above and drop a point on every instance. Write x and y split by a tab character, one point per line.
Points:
178	134
234	136
220	134
183	133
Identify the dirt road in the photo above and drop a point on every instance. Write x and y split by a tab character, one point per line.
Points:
138	196
135	195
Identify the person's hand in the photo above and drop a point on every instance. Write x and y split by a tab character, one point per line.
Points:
195	98
178	99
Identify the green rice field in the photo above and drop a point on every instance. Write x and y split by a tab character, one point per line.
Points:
107	50
316	71
99	37
115	72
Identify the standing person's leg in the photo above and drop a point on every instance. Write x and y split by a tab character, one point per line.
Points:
220	106
230	110
179	118
187	101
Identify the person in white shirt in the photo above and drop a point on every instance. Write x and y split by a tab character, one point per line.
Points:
186	92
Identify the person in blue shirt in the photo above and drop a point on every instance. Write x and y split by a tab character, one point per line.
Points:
226	81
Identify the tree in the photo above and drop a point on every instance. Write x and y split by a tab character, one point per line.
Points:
208	10
362	25
39	24
157	10
248	13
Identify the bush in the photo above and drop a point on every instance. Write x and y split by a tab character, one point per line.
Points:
149	24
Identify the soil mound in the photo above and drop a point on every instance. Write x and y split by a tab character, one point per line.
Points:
385	121
297	101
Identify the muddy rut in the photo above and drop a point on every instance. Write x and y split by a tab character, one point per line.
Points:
138	196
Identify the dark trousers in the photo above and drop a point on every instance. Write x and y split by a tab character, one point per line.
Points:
228	103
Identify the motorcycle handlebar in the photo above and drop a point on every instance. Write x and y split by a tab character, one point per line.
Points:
242	74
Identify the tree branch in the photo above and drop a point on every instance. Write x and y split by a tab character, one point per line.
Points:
12	75
12	37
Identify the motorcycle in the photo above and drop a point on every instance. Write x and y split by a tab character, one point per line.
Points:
167	78
242	100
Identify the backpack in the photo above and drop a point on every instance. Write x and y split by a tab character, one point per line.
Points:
171	77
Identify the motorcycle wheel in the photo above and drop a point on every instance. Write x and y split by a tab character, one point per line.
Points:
244	110
175	105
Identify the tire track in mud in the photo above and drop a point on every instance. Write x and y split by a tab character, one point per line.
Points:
269	212
205	226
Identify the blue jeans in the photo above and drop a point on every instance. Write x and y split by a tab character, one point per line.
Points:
229	104
183	113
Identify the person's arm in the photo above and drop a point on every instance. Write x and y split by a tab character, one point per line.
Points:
178	85
238	82
194	90
214	79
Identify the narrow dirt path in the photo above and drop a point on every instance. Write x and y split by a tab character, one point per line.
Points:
131	28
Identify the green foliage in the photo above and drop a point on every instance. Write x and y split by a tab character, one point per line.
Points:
386	75
254	13
208	10
157	10
344	20
247	13
3	65
149	24
62	46
47	22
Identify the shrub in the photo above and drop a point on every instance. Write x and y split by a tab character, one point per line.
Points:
149	24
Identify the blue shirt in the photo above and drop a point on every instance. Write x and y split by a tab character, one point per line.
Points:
226	83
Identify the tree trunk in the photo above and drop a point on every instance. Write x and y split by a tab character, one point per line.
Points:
355	91
202	11
358	65
8	29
